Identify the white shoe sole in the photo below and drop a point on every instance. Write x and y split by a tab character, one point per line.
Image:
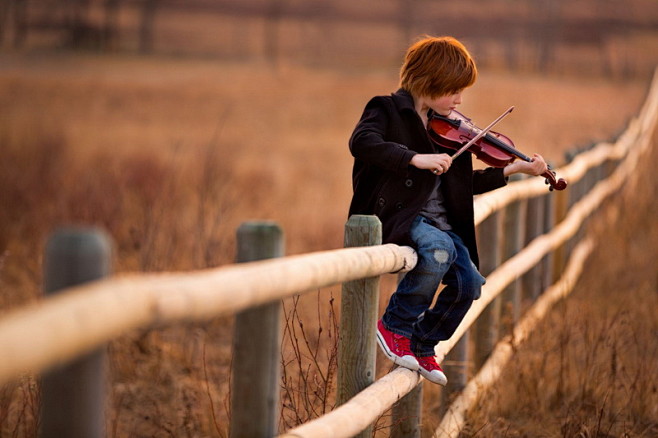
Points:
434	376
409	362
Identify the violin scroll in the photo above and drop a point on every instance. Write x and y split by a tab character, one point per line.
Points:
559	184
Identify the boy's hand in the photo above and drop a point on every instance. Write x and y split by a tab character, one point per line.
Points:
535	167
437	163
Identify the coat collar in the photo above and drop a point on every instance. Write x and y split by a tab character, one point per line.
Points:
404	100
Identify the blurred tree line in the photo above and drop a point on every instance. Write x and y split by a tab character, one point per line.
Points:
75	22
545	25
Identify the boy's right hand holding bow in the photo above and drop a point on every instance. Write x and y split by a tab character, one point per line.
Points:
436	163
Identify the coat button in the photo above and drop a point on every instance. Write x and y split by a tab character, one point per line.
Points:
409	183
399	206
381	202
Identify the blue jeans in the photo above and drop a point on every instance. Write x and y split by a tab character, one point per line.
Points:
442	257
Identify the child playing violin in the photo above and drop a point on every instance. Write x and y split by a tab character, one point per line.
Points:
424	199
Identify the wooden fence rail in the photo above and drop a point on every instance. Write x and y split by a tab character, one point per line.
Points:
81	319
58	329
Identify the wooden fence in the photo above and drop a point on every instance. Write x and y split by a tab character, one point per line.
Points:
530	232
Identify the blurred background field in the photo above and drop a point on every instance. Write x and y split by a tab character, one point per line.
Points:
611	37
169	123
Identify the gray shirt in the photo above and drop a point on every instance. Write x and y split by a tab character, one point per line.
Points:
434	208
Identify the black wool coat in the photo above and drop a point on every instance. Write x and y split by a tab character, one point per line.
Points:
388	135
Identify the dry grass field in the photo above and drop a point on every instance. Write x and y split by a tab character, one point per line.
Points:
171	155
589	369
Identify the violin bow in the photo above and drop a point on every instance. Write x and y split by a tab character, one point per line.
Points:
482	133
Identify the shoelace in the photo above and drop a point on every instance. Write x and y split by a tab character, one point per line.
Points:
429	363
401	343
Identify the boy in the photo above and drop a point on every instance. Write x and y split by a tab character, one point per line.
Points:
424	200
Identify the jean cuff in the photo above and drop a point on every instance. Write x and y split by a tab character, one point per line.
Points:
420	349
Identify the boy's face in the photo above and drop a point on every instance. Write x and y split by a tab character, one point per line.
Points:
445	104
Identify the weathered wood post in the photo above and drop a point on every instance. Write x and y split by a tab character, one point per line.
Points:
514	230
610	166
358	318
560	253
487	325
534	228
549	222
573	194
598	175
585	185
256	344
407	414
74	395
456	368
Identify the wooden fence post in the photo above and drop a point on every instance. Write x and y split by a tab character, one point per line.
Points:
358	318
534	228
407	418
560	253
256	372
514	230
456	368
586	184
487	326
549	223
573	193
74	395
407	412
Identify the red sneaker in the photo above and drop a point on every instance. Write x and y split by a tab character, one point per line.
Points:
431	370
396	347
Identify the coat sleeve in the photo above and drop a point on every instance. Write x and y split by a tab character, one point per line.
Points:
368	142
488	179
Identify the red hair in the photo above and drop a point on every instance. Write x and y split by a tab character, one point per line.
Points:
437	66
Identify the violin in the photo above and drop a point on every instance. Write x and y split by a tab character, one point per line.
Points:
493	148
